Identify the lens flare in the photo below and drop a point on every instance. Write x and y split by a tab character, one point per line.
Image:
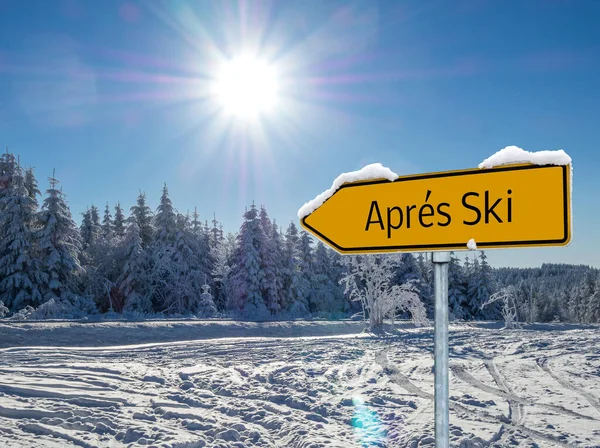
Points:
367	426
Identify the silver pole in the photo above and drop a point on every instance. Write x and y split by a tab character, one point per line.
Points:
440	261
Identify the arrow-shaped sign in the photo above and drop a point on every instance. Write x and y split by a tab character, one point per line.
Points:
509	206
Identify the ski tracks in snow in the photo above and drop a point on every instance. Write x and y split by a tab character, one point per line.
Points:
516	412
345	391
544	364
529	415
290	392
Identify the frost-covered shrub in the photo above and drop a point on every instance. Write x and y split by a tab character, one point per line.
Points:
64	309
3	310
75	308
206	306
507	297
369	281
54	309
23	314
83	305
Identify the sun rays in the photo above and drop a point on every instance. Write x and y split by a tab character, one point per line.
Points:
238	82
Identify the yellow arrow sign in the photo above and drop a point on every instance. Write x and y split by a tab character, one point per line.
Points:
509	206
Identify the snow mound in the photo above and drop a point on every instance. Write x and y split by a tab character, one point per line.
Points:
471	244
514	154
372	171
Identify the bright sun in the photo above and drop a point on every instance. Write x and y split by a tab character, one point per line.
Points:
246	87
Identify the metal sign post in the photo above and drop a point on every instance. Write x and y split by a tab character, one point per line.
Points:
440	261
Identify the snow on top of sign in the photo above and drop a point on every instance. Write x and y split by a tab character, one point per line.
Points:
372	171
514	154
471	244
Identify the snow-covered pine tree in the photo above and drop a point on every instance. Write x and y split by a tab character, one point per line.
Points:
165	220
177	276
119	222
338	271
408	271
132	282
593	303
220	274
143	216
90	229
189	260
549	310
59	243
31	185
424	283
574	305
96	227
107	225
206	307
223	259
488	287
207	256
246	275
99	265
278	261
548	292
174	276
474	282
106	260
457	298
196	223
527	296
329	294
467	268
296	302
214	232
85	229
588	298
481	286
306	266
268	264
20	276
230	242
8	167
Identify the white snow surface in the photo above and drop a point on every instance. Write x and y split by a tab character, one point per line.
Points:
309	384
514	154
372	171
471	244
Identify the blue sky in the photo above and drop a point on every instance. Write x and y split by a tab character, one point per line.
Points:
113	95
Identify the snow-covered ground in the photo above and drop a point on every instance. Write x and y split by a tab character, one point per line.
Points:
304	384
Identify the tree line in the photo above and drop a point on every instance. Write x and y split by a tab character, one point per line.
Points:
164	261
